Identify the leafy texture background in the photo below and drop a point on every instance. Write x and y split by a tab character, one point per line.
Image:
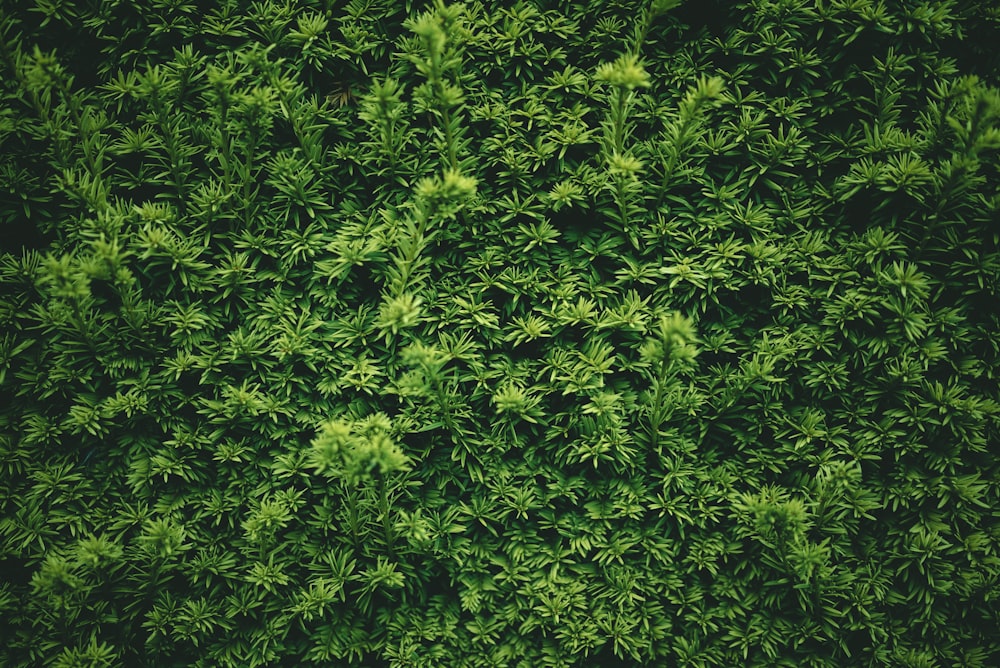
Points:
500	334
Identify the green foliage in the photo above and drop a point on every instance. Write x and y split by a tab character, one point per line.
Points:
499	334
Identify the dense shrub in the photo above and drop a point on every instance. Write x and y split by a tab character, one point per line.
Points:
499	334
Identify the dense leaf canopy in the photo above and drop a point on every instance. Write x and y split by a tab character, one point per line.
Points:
536	333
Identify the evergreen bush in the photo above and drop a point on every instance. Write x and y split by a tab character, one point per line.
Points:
535	333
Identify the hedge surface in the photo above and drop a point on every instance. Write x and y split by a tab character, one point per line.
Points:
377	333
